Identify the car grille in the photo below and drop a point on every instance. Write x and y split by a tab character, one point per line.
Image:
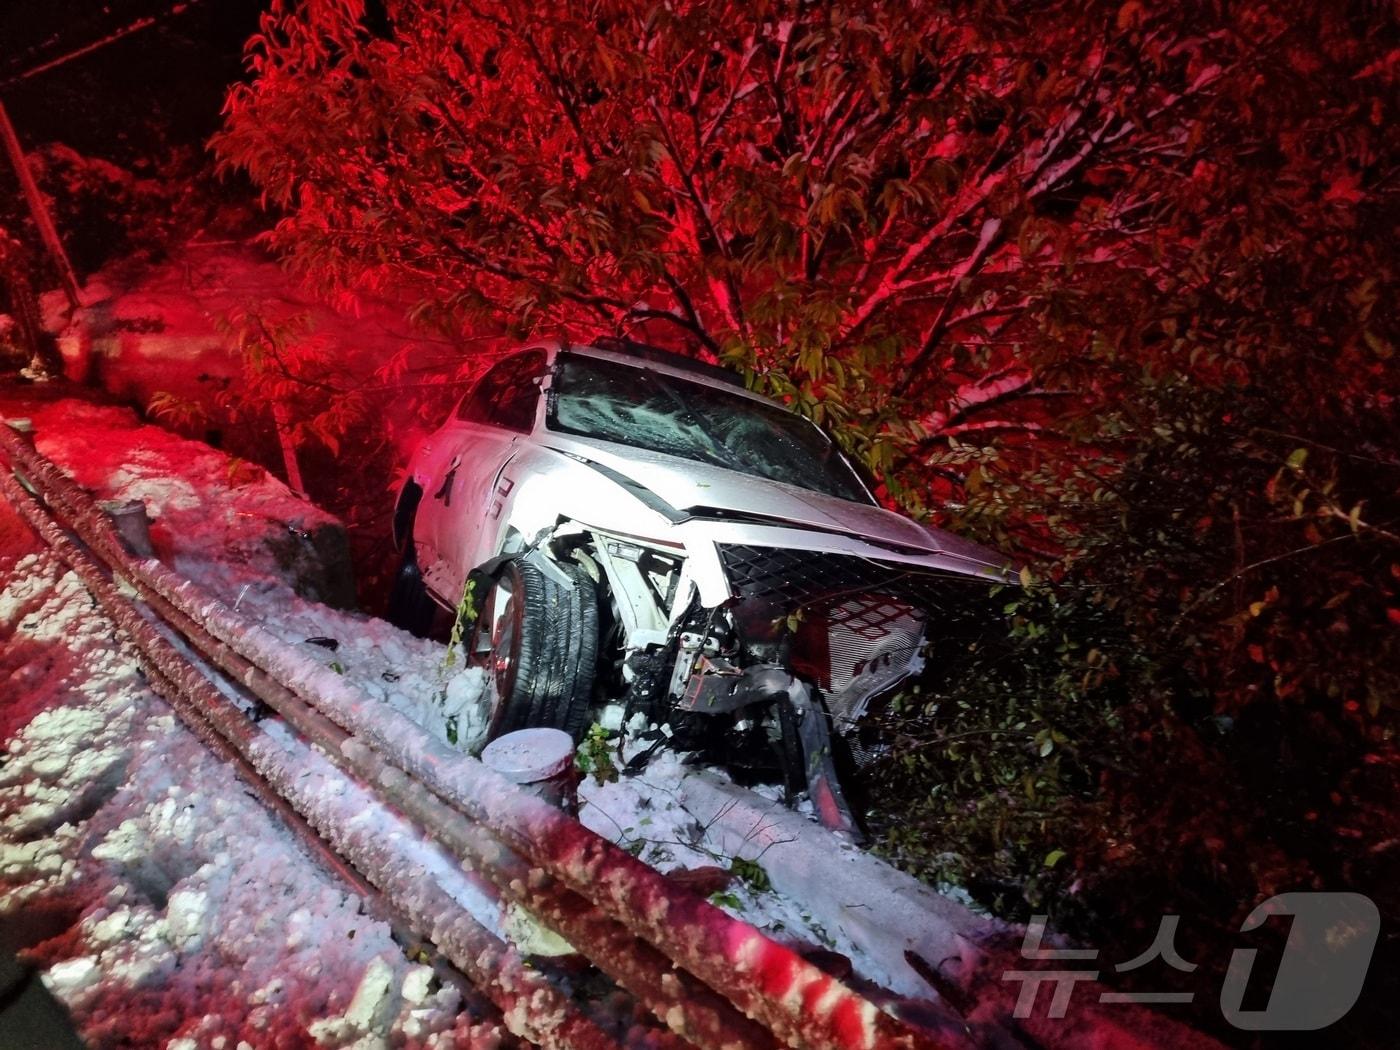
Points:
860	622
794	579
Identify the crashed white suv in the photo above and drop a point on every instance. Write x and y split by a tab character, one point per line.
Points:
628	522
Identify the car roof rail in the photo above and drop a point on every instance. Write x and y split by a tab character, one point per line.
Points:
660	356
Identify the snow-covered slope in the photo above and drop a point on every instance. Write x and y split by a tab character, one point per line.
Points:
178	909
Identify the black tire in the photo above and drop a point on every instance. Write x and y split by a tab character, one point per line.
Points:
410	606
537	640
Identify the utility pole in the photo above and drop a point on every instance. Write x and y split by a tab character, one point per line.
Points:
38	209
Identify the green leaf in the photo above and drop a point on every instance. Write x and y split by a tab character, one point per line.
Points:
1297	459
751	873
1054	857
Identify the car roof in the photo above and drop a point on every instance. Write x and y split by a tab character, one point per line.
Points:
670	363
655	355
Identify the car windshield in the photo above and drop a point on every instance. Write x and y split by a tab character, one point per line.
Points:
637	406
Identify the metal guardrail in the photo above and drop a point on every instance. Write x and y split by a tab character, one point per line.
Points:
712	980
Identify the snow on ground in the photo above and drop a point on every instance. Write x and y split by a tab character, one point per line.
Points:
178	911
238	532
170	331
169	327
193	913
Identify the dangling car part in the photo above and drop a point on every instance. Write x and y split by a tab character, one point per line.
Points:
636	523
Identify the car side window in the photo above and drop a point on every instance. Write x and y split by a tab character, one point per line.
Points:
507	395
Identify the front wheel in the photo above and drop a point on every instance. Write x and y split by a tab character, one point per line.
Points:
537	641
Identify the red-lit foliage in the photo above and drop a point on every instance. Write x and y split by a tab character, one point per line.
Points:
853	200
1109	284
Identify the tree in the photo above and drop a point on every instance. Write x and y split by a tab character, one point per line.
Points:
1110	285
847	200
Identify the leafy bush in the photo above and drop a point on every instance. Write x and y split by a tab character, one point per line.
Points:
996	761
1196	707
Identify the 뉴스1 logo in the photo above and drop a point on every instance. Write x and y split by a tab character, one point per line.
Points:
1319	978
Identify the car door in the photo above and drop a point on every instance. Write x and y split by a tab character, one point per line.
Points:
459	497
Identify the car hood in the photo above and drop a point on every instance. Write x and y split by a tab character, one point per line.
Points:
699	490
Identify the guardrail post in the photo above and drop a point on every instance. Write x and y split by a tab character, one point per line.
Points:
132	524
